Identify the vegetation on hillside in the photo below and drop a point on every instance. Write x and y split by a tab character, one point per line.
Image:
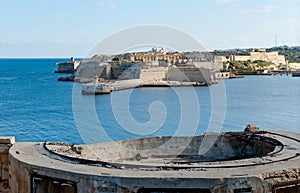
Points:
247	66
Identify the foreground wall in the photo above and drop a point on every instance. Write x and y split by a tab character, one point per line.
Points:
35	169
5	144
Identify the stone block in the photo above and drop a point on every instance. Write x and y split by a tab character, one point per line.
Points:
7	140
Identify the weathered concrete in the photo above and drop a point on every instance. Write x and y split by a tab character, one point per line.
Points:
162	150
235	162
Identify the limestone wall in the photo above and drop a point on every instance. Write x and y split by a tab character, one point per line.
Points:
5	144
217	65
294	66
219	61
189	75
125	74
153	74
67	67
273	57
176	74
223	58
64	67
242	58
87	70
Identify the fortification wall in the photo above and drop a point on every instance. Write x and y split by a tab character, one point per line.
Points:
5	144
153	74
270	164
217	65
165	73
125	74
88	70
67	67
294	66
189	75
242	58
273	57
219	61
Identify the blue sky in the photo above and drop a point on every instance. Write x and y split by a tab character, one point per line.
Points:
56	28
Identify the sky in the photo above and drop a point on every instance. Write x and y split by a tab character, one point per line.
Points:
64	28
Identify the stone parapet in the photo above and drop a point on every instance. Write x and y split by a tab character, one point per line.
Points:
234	162
5	144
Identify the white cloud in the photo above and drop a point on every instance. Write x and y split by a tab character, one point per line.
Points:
107	4
263	9
267	8
225	1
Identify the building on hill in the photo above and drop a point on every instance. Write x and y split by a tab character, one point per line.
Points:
254	55
150	57
294	66
159	50
261	54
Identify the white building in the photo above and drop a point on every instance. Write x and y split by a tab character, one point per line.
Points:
159	50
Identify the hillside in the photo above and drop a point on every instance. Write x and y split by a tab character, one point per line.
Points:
292	54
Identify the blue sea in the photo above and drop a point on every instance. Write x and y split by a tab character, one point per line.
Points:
34	106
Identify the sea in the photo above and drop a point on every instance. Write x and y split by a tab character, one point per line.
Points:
35	107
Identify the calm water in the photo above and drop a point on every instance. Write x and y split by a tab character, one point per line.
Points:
36	107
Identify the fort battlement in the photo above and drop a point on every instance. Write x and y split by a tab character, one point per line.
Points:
250	161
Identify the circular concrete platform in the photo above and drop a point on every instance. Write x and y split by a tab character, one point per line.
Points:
225	162
225	150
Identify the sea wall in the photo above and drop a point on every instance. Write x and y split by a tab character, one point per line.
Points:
189	75
125	73
87	70
153	74
67	67
176	74
5	144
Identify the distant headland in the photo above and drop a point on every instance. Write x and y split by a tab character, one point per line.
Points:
161	68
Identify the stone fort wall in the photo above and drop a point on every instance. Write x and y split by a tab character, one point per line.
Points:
176	74
5	144
153	74
273	57
189	75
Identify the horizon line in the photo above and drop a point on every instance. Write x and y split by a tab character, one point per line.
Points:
82	57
